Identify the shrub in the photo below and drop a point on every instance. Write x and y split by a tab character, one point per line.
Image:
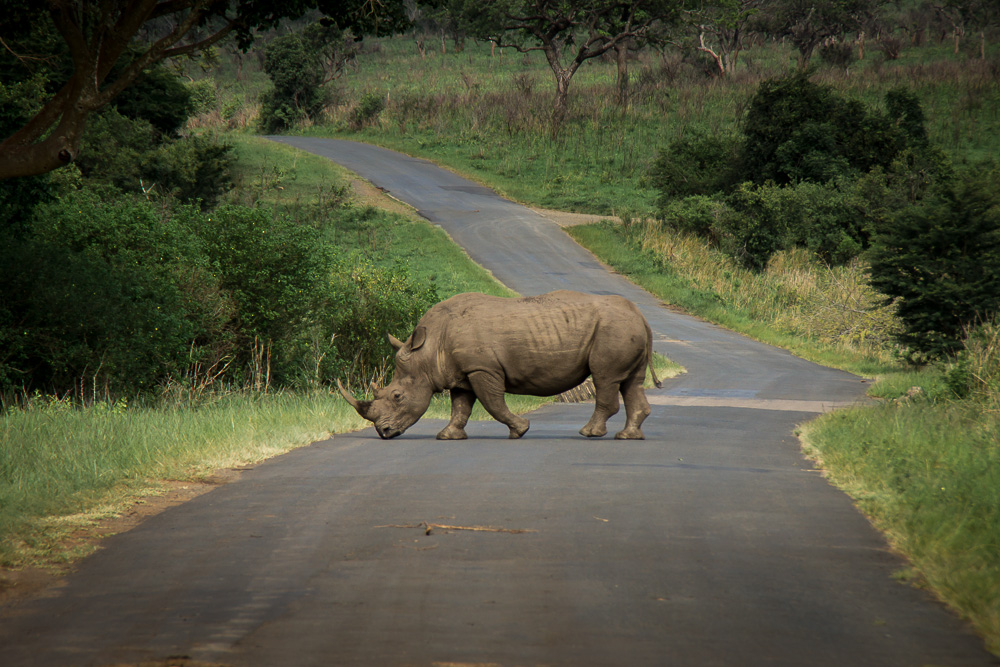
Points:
755	228
129	155
159	98
940	260
293	64
97	293
834	222
204	96
698	215
369	301
367	110
197	168
796	130
275	272
697	164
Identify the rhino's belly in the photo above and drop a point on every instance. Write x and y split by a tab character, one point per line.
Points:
546	376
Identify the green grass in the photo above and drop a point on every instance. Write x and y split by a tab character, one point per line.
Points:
310	186
927	475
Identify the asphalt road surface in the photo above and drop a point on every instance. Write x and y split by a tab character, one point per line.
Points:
712	542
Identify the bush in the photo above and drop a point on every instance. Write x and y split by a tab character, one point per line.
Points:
756	227
123	295
129	155
834	222
795	130
204	96
159	98
97	293
367	110
197	168
698	164
370	301
940	260
698	215
276	273
293	64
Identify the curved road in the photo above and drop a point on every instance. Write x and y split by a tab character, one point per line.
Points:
713	542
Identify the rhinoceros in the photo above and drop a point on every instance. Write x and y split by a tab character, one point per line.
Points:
479	346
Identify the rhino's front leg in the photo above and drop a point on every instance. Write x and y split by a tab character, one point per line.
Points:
490	392
462	401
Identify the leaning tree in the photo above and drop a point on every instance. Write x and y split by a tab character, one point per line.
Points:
82	53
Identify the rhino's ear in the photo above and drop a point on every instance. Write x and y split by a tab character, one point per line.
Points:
418	338
395	342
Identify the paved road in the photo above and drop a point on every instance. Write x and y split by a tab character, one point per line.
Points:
713	542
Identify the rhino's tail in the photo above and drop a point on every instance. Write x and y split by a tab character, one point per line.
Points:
649	356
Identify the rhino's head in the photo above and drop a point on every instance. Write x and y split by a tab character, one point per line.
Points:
397	406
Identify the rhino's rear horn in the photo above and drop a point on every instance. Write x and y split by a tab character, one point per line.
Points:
360	406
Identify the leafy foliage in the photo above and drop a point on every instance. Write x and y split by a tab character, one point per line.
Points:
695	164
124	294
940	260
796	130
368	302
132	156
814	170
296	71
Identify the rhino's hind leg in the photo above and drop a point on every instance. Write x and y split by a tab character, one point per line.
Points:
606	407
489	390
462	401
636	407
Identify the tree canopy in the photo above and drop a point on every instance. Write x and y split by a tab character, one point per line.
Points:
80	54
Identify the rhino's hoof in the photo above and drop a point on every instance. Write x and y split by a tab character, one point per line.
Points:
630	434
452	433
593	432
517	431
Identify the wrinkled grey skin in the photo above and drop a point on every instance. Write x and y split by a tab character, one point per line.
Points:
480	346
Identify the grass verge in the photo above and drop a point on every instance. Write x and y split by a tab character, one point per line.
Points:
926	473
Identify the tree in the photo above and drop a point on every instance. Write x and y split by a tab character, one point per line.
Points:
808	24
95	49
721	27
568	33
940	261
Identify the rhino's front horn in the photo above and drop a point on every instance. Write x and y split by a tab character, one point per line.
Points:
360	406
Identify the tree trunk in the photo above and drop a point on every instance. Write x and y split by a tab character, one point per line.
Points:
560	106
621	58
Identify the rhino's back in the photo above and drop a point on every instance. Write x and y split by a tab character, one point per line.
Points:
553	318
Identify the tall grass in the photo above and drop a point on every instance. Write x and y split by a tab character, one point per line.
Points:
828	314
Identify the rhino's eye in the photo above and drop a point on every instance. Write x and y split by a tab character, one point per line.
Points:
397	396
